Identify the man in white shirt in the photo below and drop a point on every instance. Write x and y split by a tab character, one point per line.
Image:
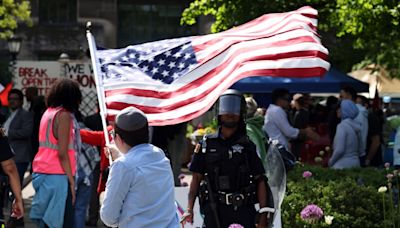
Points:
140	186
277	125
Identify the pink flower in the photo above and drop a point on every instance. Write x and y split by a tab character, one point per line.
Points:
235	225
307	174
311	213
387	165
389	176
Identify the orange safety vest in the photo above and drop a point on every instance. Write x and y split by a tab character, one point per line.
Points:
46	160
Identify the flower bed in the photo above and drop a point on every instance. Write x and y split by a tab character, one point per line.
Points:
347	198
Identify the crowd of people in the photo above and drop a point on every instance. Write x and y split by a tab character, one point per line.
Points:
68	161
70	168
63	165
352	124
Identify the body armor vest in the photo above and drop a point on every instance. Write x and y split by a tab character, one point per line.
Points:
228	171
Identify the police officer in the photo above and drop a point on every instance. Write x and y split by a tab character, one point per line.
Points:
228	176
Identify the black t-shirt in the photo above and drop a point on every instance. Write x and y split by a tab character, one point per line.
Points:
301	118
229	155
5	151
374	128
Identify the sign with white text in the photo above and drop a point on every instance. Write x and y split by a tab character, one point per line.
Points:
43	74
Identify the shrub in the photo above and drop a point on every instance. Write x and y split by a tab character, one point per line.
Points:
350	196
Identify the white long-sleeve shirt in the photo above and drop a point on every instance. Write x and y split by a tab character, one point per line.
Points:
140	190
278	127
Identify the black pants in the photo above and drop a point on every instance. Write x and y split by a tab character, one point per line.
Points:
4	189
69	211
94	204
244	215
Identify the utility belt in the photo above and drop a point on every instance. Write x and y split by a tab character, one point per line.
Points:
246	196
237	199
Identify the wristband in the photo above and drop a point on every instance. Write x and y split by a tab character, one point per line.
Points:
266	209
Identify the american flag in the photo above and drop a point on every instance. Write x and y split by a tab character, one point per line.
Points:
176	80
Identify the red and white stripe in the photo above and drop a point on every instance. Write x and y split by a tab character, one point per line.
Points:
274	45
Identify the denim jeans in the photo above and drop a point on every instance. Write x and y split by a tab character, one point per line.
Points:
82	199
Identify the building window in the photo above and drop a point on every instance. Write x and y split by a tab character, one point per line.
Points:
142	22
57	12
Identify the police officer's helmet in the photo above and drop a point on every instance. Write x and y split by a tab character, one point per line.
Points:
232	102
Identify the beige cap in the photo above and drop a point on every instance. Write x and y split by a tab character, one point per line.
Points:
297	96
251	106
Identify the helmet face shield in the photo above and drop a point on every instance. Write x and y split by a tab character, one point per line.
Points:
229	104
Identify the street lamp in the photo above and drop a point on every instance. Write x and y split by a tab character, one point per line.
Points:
14	45
64	60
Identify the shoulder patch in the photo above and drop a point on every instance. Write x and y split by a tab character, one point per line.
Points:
244	139
211	136
197	148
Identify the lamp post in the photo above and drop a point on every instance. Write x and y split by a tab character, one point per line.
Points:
64	60
14	46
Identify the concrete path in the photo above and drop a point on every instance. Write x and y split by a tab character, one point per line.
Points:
27	194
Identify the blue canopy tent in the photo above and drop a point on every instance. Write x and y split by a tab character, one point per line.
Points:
331	82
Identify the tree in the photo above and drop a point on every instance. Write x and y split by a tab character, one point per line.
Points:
374	24
11	13
354	31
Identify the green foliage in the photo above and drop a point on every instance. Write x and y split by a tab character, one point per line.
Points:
374	24
350	196
11	13
230	13
368	176
353	30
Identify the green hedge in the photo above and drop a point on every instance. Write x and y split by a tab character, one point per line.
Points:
350	196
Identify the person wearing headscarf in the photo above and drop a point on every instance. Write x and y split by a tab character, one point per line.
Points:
254	124
347	141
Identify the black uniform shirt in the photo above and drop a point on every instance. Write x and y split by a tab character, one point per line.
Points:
5	151
229	155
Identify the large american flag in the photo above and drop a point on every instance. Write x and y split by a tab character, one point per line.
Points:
176	80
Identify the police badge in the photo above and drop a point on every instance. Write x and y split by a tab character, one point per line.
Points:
237	148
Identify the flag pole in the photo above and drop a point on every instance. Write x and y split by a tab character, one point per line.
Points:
98	81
